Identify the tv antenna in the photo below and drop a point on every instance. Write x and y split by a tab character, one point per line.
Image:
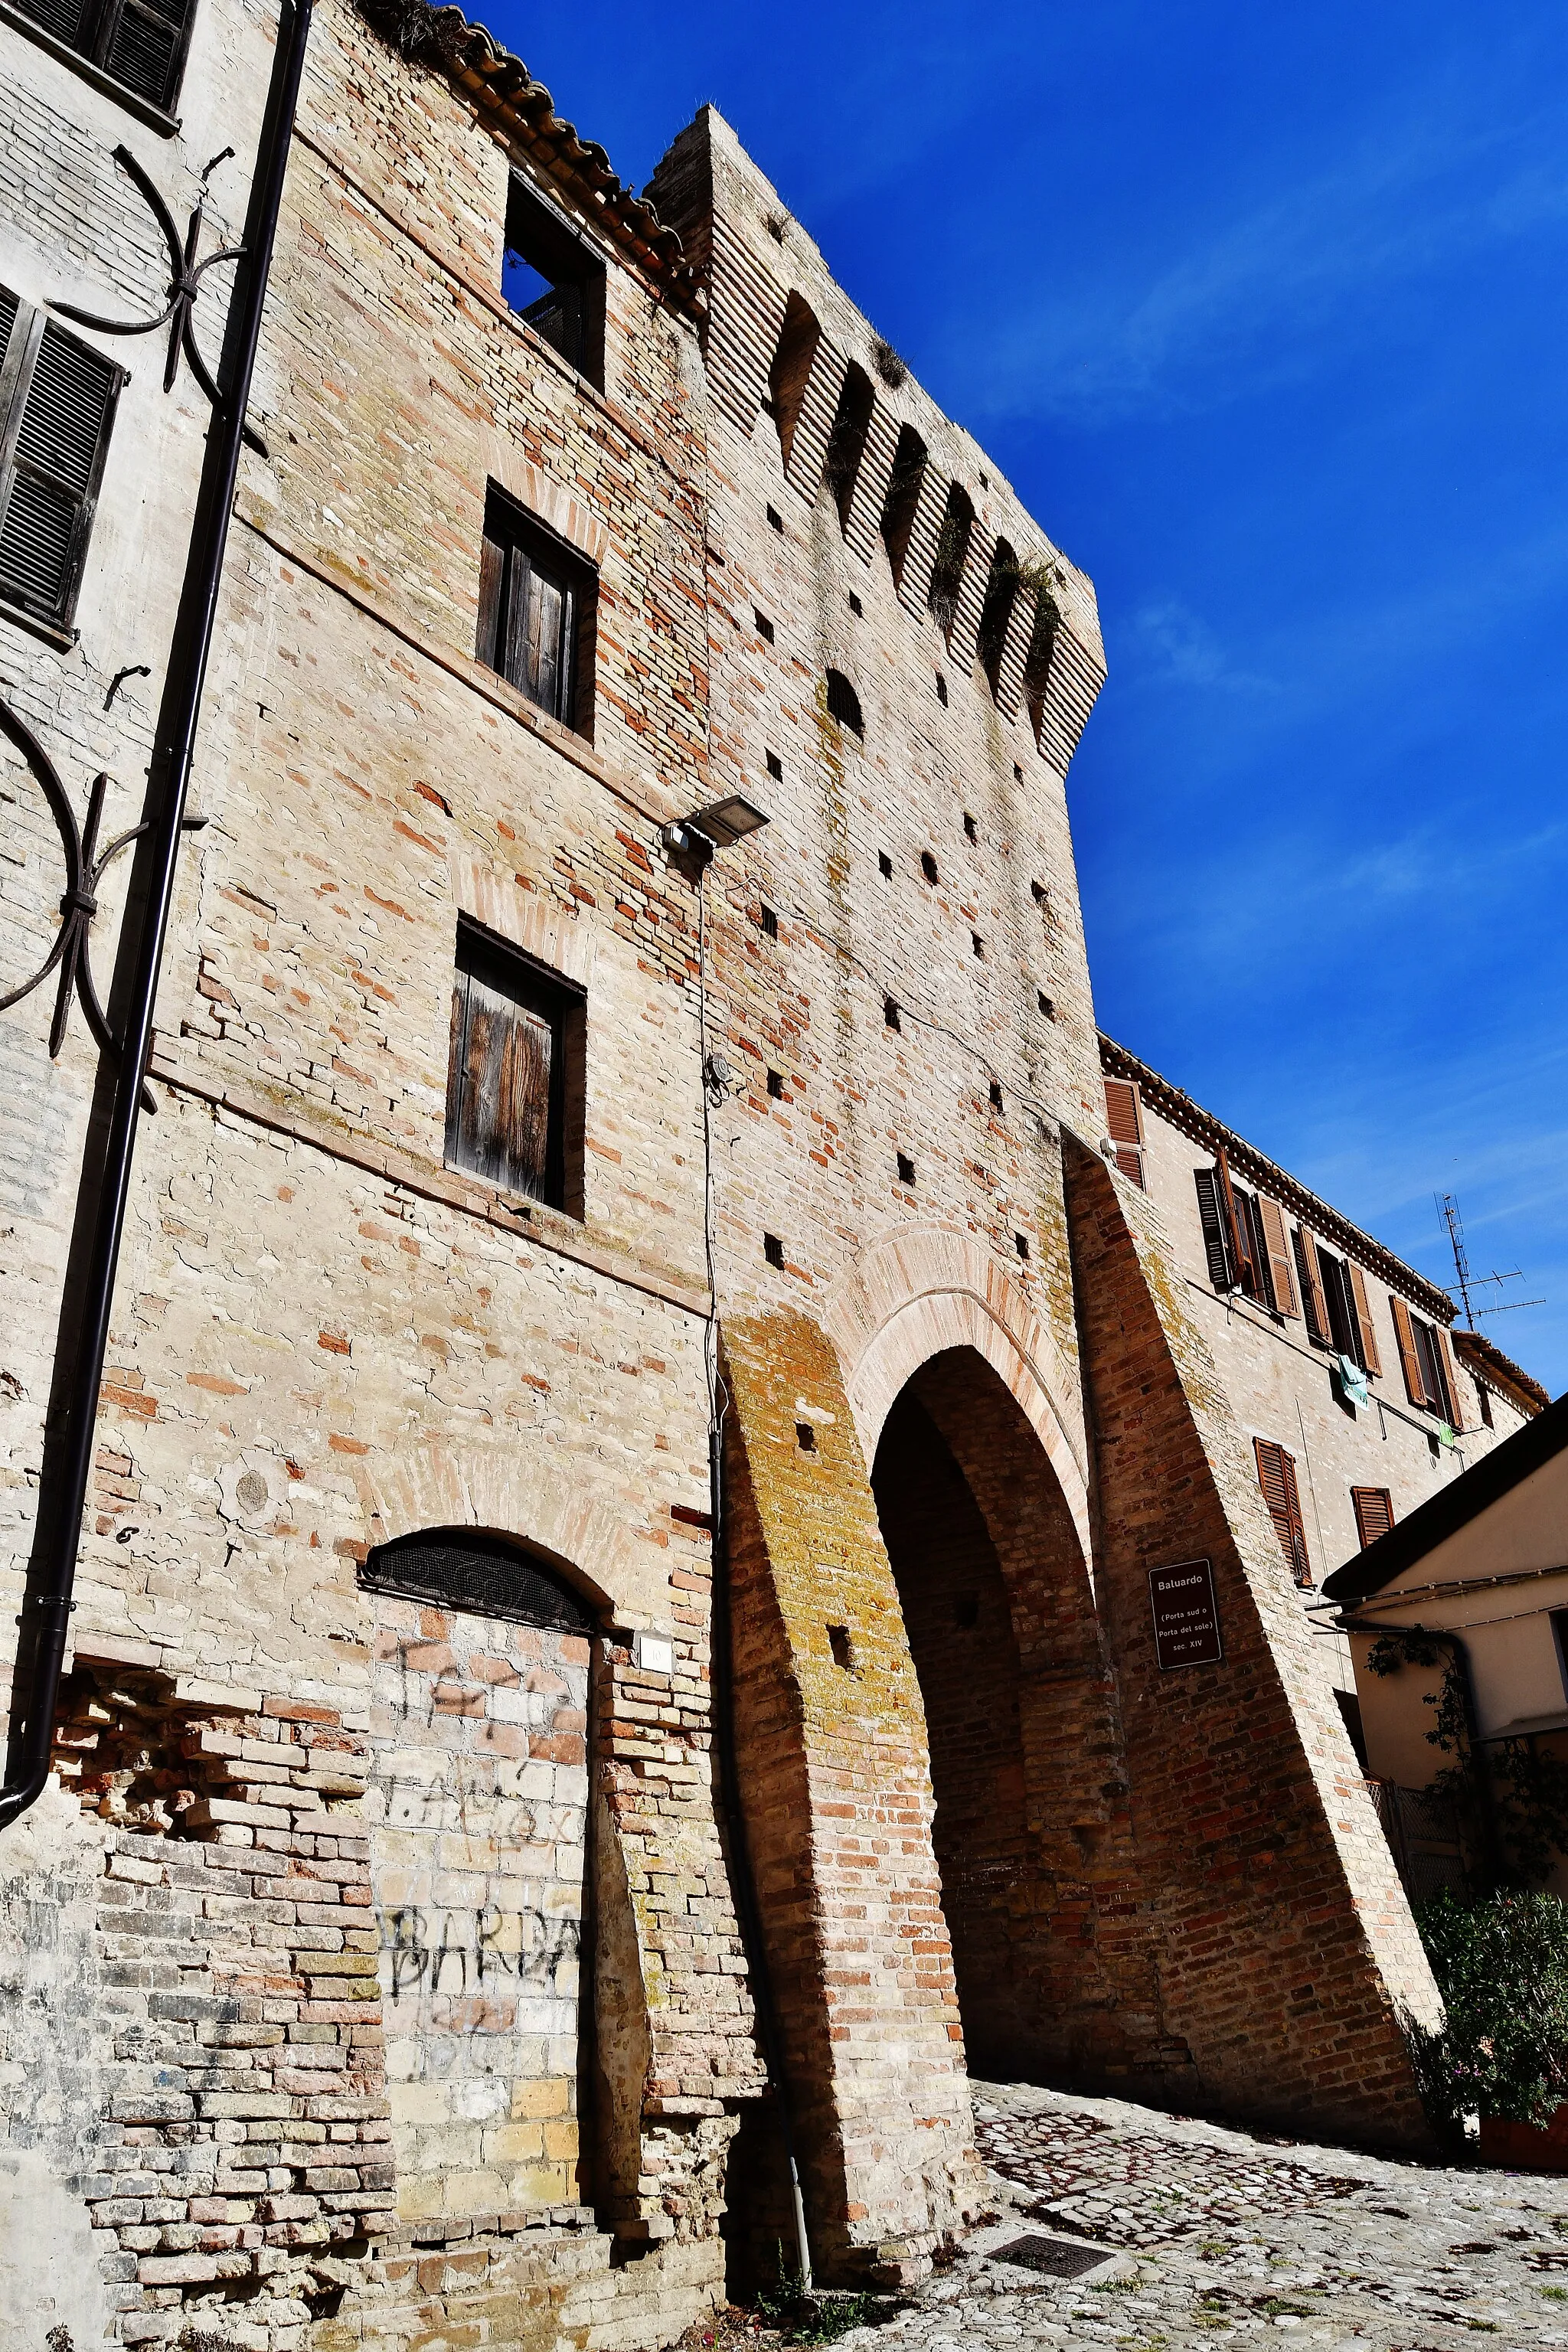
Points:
1465	1282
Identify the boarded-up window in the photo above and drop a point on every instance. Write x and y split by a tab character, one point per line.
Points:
1124	1126
513	1076
1428	1366
1374	1508
57	406
1276	1477
536	612
141	42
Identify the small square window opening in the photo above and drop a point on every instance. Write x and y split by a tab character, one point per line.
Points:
1046	1005
1021	1243
890	1017
776	1084
769	922
772	1249
856	606
929	867
995	1095
806	1436
775	517
764	627
775	767
884	865
941	689
970	827
977	943
906	1170
842	1647
553	280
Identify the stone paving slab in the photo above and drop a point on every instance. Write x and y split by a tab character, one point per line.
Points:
1209	2233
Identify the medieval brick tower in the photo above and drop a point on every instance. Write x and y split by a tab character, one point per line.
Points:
393	1948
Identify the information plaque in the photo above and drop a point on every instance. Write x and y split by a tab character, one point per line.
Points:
1186	1615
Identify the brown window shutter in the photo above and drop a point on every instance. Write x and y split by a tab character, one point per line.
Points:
1369	1355
493	571
1242	1255
1211	1215
1276	1477
1410	1362
1278	1249
1124	1125
1314	1305
1446	1366
1374	1508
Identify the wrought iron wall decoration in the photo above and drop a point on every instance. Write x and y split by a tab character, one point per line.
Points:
185	285
86	864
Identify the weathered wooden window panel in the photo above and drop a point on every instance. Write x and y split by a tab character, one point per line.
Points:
141	42
57	408
536	614
510	1101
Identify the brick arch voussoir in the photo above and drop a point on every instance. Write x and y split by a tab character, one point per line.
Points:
510	1494
926	1290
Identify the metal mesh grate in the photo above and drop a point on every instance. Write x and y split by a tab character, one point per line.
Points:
1053	2256
481	1575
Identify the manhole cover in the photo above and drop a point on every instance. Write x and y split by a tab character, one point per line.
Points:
1051	2255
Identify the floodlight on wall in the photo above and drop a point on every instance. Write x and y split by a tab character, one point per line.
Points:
718	826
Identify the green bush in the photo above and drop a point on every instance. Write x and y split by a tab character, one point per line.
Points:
1501	1966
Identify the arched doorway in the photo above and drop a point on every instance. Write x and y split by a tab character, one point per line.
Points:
1030	1834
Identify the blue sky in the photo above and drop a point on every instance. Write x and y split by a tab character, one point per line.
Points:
1262	311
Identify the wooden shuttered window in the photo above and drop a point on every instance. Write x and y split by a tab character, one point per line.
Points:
1409	1361
56	409
1370	1358
1212	1217
1276	1477
1124	1126
508	1091
1374	1508
1427	1364
1277	1253
141	42
1314	1305
536	612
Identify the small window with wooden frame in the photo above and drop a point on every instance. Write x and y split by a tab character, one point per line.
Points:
1374	1508
1245	1241
138	43
1124	1128
515	1073
56	409
553	280
538	600
1338	1309
1276	1477
1425	1360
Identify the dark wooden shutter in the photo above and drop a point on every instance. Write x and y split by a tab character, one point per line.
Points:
1276	1477
1272	1218
1314	1305
492	581
142	43
60	402
1445	1367
1374	1508
66	19
1212	1218
1410	1362
1341	1307
1243	1254
1369	1355
1124	1125
503	1119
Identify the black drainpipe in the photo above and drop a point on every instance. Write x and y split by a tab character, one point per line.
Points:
60	1506
744	1881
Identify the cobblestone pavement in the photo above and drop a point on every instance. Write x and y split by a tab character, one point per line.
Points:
1197	2233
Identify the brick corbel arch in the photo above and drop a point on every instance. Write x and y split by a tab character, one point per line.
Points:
926	1288
512	1494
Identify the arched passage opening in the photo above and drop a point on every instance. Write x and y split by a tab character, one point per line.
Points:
1031	1832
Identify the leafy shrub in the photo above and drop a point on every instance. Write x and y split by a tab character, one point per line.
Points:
806	2319
1501	1966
